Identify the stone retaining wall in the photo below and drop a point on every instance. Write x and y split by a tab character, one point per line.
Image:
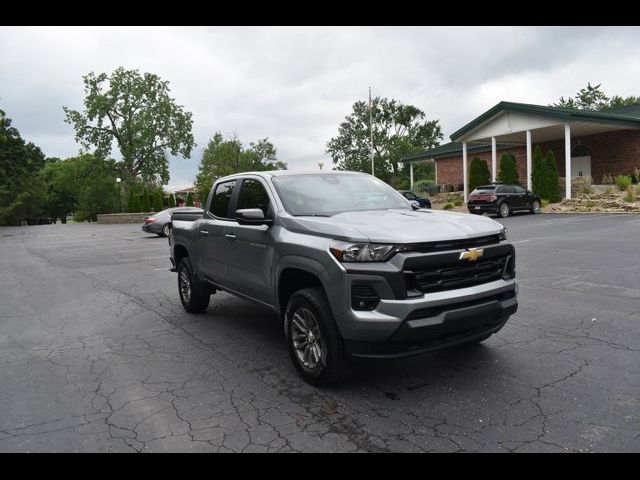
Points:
122	217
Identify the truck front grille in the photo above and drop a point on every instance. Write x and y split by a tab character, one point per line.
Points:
460	275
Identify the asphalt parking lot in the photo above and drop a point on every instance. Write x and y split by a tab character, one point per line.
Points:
97	354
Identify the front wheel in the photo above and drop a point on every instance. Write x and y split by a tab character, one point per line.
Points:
535	208
166	230
503	210
314	342
194	298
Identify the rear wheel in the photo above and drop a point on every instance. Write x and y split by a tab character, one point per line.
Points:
166	230
535	207
504	210
314	342
193	295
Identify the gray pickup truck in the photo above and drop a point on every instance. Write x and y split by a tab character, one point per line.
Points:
352	268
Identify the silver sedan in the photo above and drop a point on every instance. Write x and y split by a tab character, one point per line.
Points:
160	223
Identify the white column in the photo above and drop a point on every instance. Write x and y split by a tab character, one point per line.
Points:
435	168
528	159
411	176
567	160
494	159
464	170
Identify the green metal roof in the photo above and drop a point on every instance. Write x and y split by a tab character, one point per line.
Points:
453	149
627	110
564	114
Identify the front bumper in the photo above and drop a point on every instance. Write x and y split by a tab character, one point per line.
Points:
397	328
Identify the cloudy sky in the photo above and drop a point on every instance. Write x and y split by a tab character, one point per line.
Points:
295	85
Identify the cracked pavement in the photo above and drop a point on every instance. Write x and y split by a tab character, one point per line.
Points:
97	354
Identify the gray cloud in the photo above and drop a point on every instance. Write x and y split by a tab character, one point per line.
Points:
294	85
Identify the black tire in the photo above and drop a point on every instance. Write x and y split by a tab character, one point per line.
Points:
333	363
535	208
193	295
166	230
504	210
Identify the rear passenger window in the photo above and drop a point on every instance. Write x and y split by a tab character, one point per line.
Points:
221	199
518	189
253	195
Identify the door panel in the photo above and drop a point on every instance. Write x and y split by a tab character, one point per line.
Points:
211	233
581	166
249	248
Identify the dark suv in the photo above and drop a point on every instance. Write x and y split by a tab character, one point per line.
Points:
409	195
502	200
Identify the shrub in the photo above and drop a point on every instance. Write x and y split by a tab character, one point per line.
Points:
630	195
584	185
538	173
552	178
136	205
607	179
189	202
130	202
425	187
478	173
623	181
157	201
457	202
608	190
447	206
172	201
508	172
145	202
635	176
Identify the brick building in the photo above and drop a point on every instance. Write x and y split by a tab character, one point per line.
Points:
584	143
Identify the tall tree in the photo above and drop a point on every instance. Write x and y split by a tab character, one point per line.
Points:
20	188
398	130
478	173
508	171
552	178
539	177
224	157
137	112
592	98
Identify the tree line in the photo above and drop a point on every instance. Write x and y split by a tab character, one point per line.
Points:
136	113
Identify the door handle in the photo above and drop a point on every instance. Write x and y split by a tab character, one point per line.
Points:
204	232
230	236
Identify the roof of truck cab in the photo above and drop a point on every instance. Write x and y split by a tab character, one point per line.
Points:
280	173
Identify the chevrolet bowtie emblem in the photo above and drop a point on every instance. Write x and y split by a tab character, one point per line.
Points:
472	254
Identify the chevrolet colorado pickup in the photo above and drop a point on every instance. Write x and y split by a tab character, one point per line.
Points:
352	268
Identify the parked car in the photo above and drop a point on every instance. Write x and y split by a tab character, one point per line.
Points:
502	200
348	265
160	223
409	195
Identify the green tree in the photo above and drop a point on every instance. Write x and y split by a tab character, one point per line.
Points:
398	131
131	201
172	201
137	112
136	204
539	173
157	201
592	98
146	207
508	171
224	157
552	178
61	189
478	173
189	202
21	191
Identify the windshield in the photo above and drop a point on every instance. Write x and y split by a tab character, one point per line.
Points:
328	194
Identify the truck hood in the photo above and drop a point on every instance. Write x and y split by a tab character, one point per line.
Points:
399	226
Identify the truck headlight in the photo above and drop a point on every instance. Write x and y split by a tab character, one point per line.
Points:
503	233
362	252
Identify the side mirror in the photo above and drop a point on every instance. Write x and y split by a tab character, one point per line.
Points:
414	204
252	216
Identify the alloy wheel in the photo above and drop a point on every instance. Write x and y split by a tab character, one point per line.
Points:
306	338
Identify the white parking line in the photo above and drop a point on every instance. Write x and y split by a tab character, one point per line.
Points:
520	241
160	269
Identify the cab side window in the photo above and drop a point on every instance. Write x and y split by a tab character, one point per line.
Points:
222	198
253	195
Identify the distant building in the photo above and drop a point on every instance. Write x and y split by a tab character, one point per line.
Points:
181	196
585	143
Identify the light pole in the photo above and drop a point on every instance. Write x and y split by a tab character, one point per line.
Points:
118	180
320	164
